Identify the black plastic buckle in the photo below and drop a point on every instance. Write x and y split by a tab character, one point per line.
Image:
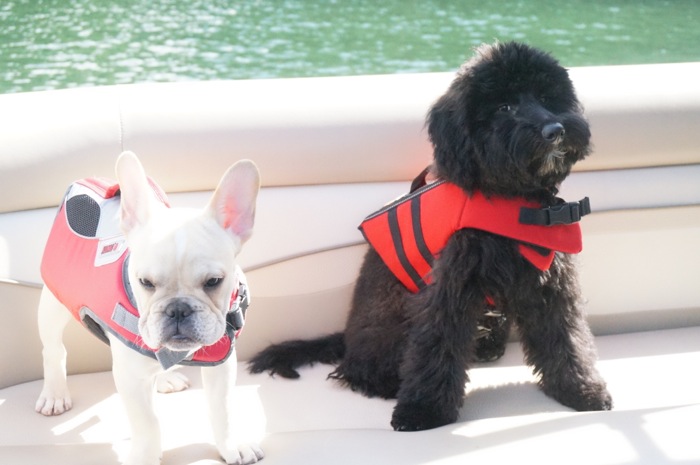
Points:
563	213
236	314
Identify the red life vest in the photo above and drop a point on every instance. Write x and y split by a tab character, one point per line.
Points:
410	232
85	265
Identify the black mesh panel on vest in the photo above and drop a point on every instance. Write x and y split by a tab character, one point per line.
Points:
83	214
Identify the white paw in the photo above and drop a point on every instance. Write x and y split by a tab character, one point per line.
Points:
53	402
244	454
171	381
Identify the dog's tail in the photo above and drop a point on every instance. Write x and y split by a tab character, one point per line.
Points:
283	359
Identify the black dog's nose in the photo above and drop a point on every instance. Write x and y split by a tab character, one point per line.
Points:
552	131
178	310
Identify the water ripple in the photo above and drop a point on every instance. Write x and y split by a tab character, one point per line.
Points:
55	44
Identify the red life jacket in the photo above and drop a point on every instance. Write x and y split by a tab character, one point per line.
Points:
409	233
85	265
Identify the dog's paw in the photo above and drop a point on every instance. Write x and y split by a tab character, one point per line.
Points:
593	396
53	402
419	417
244	454
489	351
171	381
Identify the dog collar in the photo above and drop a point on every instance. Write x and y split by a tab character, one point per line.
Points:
409	233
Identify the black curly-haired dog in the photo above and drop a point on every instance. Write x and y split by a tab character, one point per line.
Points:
509	129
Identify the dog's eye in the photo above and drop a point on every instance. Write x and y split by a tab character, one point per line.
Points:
505	108
213	282
146	284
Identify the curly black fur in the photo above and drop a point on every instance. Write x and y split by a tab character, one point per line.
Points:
509	125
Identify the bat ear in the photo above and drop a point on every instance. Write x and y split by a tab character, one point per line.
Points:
233	202
137	199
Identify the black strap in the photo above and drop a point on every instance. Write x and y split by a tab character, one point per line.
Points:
418	232
400	251
562	213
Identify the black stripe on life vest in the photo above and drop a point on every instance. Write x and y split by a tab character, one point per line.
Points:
418	232
400	252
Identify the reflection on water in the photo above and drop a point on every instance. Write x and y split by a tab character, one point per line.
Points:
66	43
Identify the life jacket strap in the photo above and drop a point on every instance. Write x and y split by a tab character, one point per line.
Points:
169	358
125	319
562	213
239	306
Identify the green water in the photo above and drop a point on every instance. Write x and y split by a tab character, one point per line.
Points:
47	44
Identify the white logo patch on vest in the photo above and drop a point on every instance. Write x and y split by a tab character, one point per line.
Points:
109	250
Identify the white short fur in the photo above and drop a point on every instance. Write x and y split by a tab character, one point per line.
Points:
173	254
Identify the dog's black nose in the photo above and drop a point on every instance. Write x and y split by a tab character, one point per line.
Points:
552	131
178	310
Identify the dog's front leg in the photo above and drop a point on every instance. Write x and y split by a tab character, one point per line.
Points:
53	318
134	376
557	341
441	339
219	382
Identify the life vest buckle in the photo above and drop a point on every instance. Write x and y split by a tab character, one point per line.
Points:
562	213
239	306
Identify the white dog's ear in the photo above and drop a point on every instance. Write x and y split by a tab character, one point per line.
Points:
233	202
137	200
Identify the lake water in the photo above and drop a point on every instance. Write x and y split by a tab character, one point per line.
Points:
48	44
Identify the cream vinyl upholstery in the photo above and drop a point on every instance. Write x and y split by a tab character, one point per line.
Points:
331	151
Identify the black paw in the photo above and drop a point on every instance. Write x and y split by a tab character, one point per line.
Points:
596	399
492	337
419	417
584	398
489	350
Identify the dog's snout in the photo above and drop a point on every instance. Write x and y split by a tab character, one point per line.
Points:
552	131
178	310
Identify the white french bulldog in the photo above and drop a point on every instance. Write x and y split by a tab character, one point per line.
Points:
182	273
